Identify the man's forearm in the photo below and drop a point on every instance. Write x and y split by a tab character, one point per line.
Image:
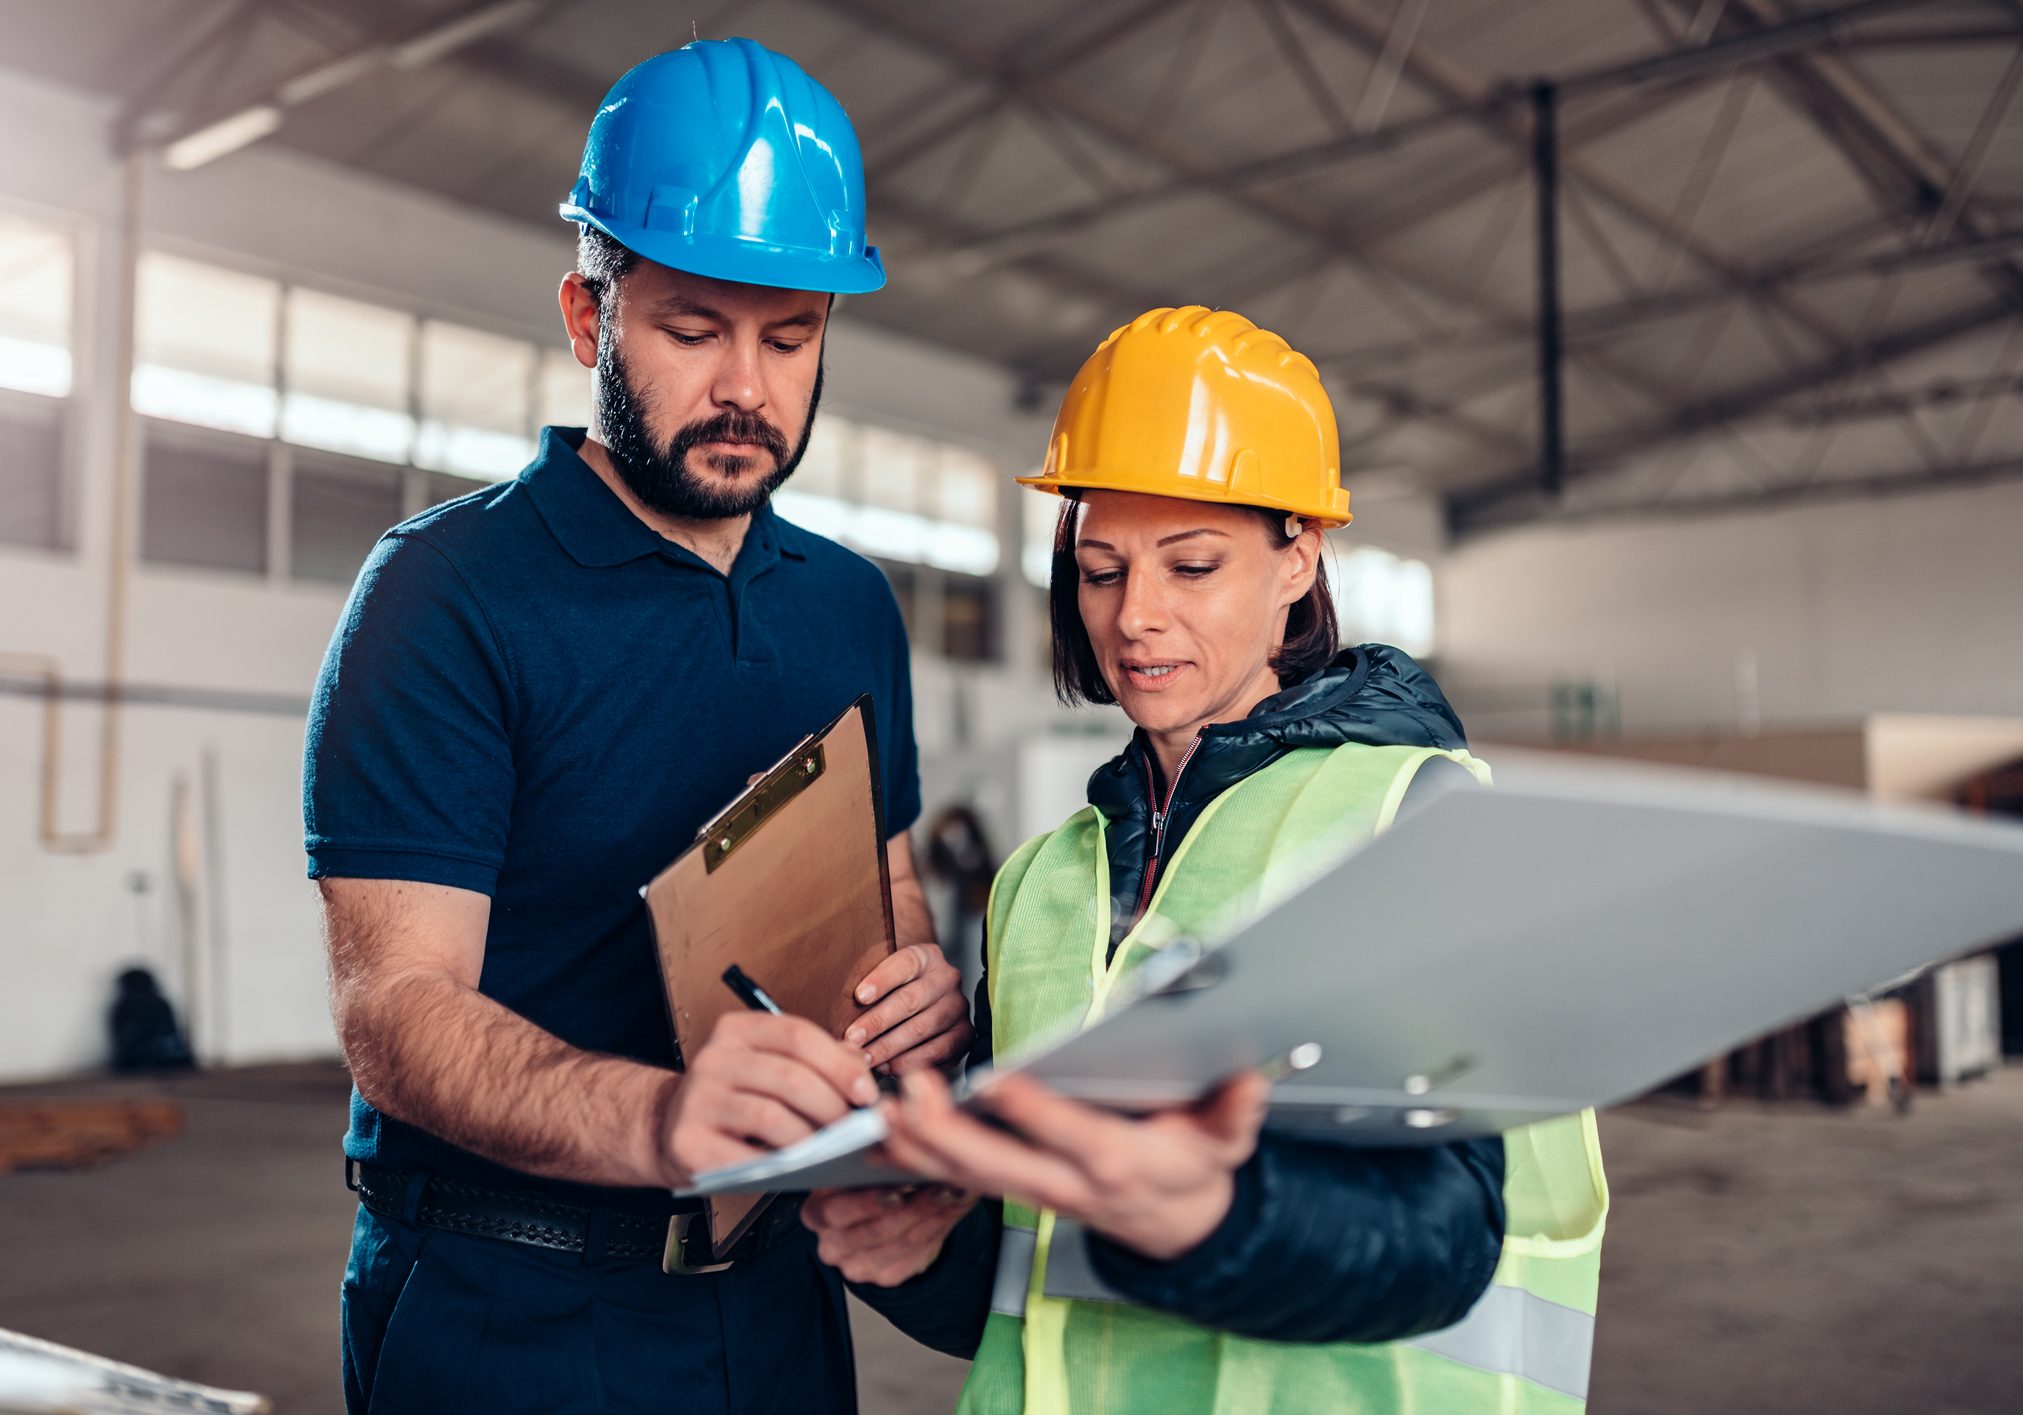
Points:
427	1049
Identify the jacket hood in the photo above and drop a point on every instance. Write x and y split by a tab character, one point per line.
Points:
1372	693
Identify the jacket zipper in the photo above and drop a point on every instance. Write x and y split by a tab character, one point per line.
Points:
1161	814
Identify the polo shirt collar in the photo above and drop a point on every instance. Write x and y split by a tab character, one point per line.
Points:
599	530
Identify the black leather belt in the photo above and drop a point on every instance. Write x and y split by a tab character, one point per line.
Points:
543	1221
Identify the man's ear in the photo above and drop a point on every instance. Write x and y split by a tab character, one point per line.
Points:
581	312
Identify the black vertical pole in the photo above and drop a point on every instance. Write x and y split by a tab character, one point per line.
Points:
1551	353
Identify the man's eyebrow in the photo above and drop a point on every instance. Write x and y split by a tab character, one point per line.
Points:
682	305
806	319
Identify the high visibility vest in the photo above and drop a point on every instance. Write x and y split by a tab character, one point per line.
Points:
1057	1342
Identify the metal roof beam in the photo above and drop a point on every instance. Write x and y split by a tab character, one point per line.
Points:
1906	172
1908	483
257	112
1482	502
1406	403
1510	124
902	21
1600	321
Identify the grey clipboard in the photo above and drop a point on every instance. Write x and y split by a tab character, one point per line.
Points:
1573	937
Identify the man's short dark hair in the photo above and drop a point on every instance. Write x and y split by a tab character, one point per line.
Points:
1312	637
602	263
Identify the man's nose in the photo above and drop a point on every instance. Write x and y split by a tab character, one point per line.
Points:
739	384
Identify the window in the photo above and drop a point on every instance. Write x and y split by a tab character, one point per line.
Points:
222	349
905	581
204	503
37	274
336	515
1384	598
896	496
475	394
968	619
1040	513
205	345
346	367
31	473
438	487
565	391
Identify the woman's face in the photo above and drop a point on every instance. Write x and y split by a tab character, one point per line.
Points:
1185	602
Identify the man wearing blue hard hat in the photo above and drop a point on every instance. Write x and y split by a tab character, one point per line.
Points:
536	696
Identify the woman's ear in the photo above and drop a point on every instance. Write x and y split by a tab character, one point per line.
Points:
1299	563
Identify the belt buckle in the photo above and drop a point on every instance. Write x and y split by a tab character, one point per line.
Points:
689	1244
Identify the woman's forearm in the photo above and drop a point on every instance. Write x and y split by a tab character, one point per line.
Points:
1327	1244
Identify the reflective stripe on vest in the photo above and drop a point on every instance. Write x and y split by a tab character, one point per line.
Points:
1070	1273
1517	1333
1509	1331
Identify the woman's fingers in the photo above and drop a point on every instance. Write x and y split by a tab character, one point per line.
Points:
930	1136
1224	1125
1066	1126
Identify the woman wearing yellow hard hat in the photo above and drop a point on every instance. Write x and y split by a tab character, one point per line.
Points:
1183	1262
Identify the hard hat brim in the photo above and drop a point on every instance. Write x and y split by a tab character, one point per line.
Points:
744	262
1327	520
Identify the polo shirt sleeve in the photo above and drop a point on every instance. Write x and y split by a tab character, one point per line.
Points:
898	755
408	768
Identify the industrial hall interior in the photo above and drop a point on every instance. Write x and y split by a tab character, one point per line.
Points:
1056	706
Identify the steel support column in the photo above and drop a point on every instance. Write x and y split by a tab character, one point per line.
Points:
1551	346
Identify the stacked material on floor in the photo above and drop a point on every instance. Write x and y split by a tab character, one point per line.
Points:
80	1134
42	1378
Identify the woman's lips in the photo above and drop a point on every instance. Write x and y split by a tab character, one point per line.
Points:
1154	677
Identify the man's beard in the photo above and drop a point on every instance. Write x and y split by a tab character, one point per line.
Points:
660	477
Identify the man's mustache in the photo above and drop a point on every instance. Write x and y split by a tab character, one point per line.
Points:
732	427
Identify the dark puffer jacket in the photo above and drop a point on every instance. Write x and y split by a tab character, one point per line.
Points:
1320	1244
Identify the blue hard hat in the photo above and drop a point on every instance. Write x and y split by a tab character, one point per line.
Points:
725	159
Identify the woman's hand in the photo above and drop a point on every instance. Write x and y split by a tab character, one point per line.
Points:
1159	1184
884	1236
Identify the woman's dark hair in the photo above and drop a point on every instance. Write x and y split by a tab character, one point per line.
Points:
1311	634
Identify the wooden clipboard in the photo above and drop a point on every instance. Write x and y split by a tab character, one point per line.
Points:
790	883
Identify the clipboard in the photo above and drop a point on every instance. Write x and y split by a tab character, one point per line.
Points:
790	883
1613	927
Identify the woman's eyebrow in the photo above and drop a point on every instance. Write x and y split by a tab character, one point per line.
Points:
1093	544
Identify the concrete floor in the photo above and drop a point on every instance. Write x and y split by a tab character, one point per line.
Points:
1785	1259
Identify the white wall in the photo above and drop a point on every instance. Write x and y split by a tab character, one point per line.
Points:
1835	608
67	923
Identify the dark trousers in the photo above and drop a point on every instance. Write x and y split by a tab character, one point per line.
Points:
437	1323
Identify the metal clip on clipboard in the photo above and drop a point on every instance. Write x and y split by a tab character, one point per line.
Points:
789	882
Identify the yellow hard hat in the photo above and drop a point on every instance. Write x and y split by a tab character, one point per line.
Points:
1202	405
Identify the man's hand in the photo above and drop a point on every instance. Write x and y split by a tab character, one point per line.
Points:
884	1236
1159	1184
921	1018
758	1083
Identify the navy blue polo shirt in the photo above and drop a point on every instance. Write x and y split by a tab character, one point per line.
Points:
533	695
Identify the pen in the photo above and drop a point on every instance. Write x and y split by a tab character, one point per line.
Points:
758	1000
749	992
